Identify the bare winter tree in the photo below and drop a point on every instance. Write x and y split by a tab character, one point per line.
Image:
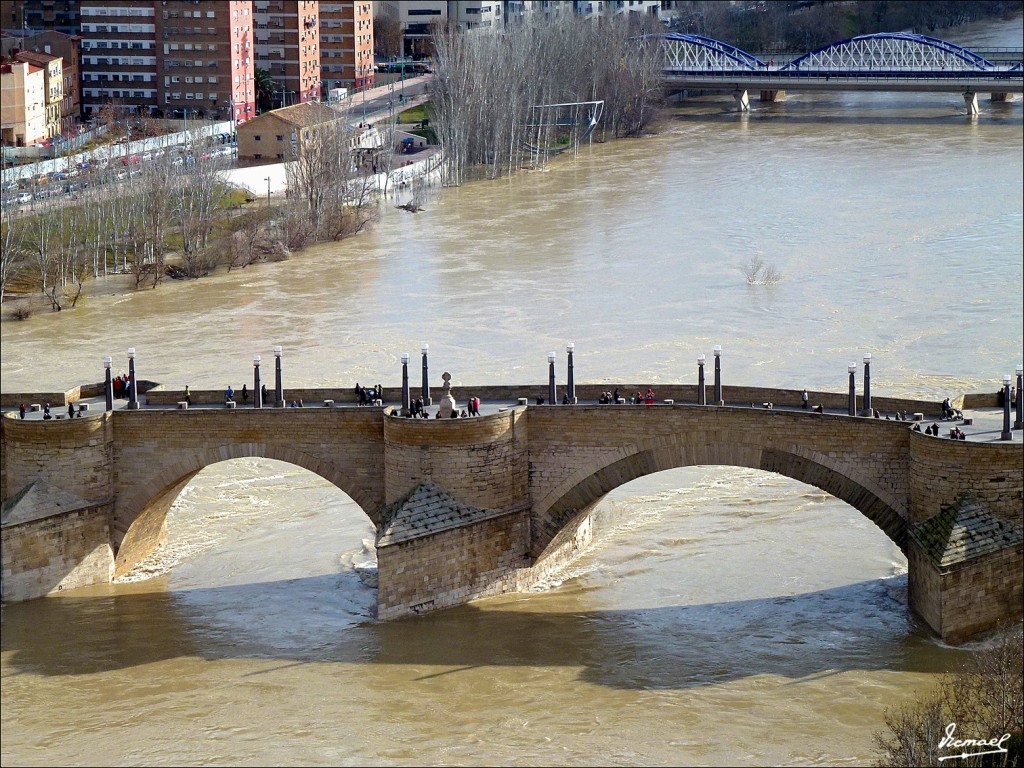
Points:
12	251
197	200
492	92
327	186
983	699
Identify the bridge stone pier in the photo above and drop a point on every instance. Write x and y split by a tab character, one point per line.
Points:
466	508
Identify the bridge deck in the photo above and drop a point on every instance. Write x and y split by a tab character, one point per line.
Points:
986	423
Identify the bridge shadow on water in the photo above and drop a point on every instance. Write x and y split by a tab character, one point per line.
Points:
861	626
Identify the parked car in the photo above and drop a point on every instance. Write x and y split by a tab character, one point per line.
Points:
24	197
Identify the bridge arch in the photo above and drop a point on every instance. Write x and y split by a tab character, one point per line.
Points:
578	493
697	53
891	51
140	512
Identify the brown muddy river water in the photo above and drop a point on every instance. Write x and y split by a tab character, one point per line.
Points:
727	616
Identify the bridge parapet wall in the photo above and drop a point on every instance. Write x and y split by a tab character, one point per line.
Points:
73	454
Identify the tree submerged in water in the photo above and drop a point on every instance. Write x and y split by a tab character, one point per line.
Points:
758	272
974	717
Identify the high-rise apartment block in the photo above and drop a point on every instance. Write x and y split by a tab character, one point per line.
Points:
118	55
346	44
288	47
206	61
173	58
40	15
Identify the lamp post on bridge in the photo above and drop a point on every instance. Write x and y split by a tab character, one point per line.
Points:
1019	401
867	384
702	394
718	375
852	408
257	388
278	382
133	391
108	383
569	349
551	378
405	384
425	387
1006	434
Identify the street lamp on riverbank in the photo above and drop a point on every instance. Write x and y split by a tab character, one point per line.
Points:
133	392
702	395
551	378
268	190
108	383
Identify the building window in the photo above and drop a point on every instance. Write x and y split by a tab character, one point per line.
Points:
280	137
257	137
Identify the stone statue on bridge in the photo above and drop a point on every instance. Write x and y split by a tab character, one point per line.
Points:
446	406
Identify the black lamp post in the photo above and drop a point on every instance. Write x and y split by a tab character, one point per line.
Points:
108	383
551	378
718	375
405	384
133	392
852	408
1007	434
569	349
424	387
1019	403
257	389
867	384
278	382
702	394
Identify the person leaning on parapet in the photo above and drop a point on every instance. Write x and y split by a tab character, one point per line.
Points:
21	411
803	398
188	395
229	394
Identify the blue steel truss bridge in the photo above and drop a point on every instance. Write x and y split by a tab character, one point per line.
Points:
896	61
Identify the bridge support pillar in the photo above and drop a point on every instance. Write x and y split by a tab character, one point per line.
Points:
770	96
742	100
971	103
999	96
961	596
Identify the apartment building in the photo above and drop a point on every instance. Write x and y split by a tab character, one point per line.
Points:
66	47
60	15
119	55
346	44
53	87
206	59
288	47
22	100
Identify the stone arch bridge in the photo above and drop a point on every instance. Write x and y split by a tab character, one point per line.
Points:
466	508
